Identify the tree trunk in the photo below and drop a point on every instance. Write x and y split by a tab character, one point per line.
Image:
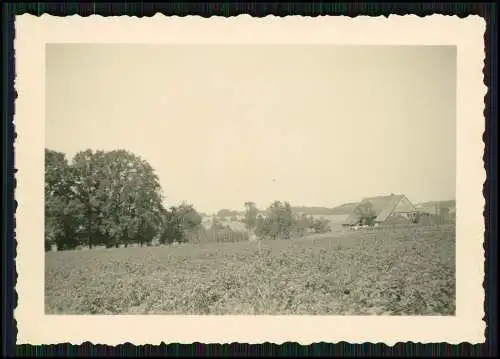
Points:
89	220
90	233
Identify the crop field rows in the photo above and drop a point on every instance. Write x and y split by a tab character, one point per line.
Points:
407	271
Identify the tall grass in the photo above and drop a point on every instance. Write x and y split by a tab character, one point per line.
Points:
399	272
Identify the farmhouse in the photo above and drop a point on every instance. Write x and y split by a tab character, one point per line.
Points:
382	210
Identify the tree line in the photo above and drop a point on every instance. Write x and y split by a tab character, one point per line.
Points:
113	198
108	198
279	221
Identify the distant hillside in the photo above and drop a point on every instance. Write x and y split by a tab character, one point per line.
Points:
345	208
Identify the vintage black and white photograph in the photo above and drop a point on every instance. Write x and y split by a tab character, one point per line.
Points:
287	179
248	184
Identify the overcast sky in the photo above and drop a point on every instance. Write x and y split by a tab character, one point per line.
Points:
314	125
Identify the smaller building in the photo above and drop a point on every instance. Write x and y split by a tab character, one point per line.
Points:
437	207
431	209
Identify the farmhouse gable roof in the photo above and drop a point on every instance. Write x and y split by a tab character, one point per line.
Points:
382	207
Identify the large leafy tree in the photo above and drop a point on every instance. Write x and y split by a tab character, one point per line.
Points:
101	198
62	207
88	173
130	199
120	195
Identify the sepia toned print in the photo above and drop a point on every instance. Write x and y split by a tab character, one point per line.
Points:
231	187
259	181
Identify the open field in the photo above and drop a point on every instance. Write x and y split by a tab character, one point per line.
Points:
397	272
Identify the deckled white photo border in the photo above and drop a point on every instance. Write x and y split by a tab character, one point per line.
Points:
32	33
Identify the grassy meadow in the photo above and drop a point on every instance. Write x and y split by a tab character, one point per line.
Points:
406	271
